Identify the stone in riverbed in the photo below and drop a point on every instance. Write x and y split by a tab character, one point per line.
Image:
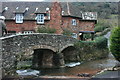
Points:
84	75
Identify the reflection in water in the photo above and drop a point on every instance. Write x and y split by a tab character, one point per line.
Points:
28	72
73	64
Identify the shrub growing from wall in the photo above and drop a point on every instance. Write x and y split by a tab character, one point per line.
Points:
46	30
90	50
67	32
115	43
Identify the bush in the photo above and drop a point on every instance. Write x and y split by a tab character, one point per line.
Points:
101	42
115	43
101	26
90	50
67	32
103	33
87	36
46	30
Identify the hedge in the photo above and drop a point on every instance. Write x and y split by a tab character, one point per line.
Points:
115	43
90	50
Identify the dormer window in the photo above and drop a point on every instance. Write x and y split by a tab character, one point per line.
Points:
19	18
73	22
40	18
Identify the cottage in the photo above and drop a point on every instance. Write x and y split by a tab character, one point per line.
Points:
27	17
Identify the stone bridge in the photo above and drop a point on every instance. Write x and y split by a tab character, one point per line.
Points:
44	50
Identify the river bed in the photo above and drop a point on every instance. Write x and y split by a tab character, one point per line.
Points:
90	67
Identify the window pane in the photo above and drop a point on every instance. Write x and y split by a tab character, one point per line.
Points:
40	18
19	18
73	22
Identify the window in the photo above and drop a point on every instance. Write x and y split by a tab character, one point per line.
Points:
74	35
19	18
73	22
40	18
27	32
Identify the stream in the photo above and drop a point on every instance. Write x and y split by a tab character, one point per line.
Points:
91	67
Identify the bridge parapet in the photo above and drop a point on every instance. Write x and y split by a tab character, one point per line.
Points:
25	40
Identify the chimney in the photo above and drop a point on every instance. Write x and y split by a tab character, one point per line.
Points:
56	17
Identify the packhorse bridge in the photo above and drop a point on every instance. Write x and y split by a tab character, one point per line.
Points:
45	50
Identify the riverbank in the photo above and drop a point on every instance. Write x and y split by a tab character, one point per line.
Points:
107	75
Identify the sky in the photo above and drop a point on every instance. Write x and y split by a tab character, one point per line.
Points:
64	0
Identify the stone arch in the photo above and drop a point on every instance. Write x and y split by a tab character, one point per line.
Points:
64	47
27	53
44	47
69	53
43	58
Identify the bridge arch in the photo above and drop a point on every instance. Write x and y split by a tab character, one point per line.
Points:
40	55
66	46
69	53
43	58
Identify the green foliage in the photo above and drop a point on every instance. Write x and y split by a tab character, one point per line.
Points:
103	32
115	43
89	50
24	64
104	9
87	36
101	26
101	42
46	30
67	32
24	67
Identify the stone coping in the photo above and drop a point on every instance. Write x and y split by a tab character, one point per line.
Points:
14	35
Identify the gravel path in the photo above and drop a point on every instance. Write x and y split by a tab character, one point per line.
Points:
108	37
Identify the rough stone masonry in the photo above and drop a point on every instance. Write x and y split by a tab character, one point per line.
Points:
55	49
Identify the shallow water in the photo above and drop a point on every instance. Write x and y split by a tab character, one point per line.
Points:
91	67
87	67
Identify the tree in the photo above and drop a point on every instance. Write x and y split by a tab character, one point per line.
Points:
115	43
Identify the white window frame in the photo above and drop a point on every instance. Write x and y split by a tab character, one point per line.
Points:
19	18
28	32
74	22
74	35
40	18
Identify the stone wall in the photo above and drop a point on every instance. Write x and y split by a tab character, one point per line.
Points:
16	47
